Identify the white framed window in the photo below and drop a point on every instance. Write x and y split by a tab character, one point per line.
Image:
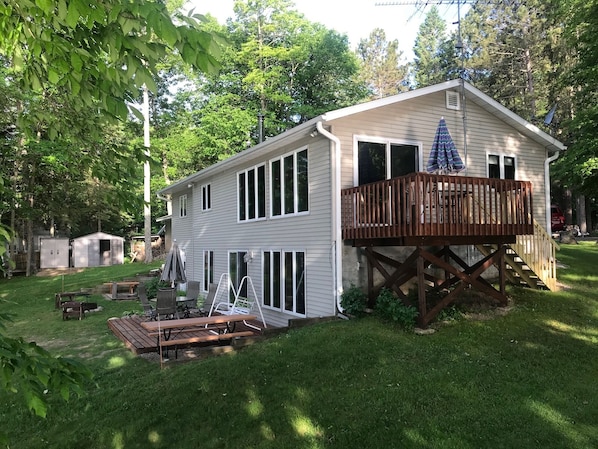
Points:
500	166
251	197
237	270
208	269
183	206
206	197
380	159
289	184
283	281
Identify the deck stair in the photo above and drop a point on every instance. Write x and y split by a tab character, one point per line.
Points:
531	260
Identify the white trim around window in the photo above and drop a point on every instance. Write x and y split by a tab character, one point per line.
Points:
208	269
389	143
284	281
501	166
183	206
206	197
251	194
289	184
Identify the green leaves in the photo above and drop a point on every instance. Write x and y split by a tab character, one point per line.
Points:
80	45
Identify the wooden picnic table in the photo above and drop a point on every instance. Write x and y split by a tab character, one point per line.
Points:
62	297
221	328
131	285
195	323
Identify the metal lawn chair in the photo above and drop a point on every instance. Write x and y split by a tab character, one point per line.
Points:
166	303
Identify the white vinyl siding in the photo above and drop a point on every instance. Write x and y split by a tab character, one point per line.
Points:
312	232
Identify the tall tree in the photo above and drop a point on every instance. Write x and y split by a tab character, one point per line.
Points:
381	66
429	65
578	168
508	48
76	57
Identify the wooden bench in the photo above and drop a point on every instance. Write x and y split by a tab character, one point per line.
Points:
220	337
114	286
217	324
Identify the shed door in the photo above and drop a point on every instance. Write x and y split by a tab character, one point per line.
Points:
105	252
117	252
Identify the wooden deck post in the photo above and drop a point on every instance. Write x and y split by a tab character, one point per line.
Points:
421	290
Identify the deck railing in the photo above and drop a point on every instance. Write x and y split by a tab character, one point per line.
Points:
427	205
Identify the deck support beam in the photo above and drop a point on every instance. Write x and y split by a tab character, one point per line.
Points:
458	276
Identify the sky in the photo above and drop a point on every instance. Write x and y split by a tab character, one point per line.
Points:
357	18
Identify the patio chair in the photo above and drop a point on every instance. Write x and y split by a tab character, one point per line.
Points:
192	296
166	303
208	302
147	307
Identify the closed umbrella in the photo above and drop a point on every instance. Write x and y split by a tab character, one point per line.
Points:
444	157
174	271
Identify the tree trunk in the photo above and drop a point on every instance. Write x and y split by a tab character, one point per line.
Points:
568	207
581	214
30	249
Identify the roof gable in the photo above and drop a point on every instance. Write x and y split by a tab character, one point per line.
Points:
471	94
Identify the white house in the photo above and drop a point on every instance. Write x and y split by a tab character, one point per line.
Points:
285	212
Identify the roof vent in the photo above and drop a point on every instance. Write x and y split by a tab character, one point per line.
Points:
452	100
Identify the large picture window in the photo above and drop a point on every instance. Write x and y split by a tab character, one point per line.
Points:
378	161
252	193
284	281
289	185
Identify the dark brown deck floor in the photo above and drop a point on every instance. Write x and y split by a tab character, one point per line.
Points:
136	338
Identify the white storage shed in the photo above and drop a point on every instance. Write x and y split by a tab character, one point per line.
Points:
98	249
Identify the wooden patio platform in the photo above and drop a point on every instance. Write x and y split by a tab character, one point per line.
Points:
130	332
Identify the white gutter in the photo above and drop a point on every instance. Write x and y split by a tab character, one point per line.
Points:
336	205
547	162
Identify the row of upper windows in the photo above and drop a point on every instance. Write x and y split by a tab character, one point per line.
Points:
288	189
206	200
289	178
377	161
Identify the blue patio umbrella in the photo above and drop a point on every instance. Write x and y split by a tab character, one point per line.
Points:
174	270
444	157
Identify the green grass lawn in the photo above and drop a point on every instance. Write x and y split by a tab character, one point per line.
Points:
523	380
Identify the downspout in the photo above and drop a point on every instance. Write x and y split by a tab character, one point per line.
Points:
336	205
547	162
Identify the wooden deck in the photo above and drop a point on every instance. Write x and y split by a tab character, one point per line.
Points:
427	209
137	339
